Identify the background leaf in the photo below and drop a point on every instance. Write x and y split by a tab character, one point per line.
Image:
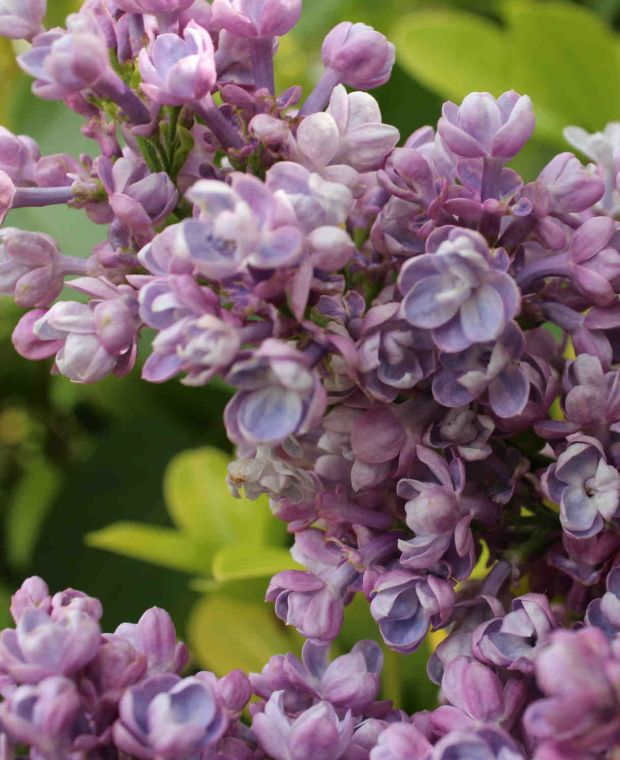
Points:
240	561
226	633
28	507
165	547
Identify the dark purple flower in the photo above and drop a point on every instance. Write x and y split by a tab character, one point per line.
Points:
604	613
392	356
458	290
585	486
405	606
491	368
514	640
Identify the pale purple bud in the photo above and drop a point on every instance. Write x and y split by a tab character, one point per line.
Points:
18	157
155	636
317	732
595	260
402	741
71	600
32	594
234	691
57	170
116	666
570	185
483	127
21	19
7	195
178	70
30	267
247	18
360	56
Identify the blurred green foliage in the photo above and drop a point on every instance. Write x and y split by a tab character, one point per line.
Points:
80	460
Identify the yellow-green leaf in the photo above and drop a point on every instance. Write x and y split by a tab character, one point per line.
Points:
161	546
452	52
241	561
227	633
200	503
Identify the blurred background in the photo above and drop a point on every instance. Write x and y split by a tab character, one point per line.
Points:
95	480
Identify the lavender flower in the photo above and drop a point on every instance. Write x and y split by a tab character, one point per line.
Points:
21	19
458	290
585	486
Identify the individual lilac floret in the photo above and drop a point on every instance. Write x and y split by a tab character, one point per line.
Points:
355	55
584	485
569	184
89	340
485	743
21	19
19	157
245	224
579	675
483	127
604	613
439	514
351	681
514	641
402	741
246	18
259	23
313	601
405	606
32	594
139	198
317	732
280	394
65	62
459	290
155	636
41	647
178	70
44	717
169	717
32	268
392	357
486	367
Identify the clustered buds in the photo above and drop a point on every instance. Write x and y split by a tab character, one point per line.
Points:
425	355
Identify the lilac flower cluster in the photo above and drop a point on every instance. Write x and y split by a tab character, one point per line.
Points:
424	349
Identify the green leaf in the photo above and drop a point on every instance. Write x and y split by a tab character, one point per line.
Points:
452	52
161	546
240	561
28	508
200	503
567	87
227	633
